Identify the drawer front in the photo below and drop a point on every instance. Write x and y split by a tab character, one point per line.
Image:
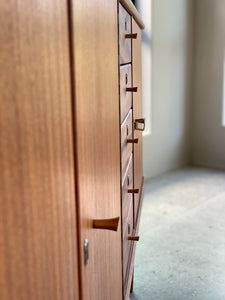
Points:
125	97
137	150
126	148
127	198
124	28
126	243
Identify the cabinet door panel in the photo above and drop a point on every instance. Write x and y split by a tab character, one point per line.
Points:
38	255
97	143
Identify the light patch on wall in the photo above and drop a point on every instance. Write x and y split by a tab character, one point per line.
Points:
223	116
144	8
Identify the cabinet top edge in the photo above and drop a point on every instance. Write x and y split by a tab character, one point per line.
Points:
133	12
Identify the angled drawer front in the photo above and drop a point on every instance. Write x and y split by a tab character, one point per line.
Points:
126	148
126	243
124	28
127	198
125	96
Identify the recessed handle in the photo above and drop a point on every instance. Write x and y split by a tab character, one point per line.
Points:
128	229
139	124
131	89
132	141
108	224
128	180
131	36
126	78
127	130
133	191
133	238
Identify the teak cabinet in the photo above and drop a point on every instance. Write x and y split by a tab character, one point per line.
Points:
70	148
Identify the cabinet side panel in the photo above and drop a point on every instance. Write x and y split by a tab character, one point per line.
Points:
97	140
137	112
38	255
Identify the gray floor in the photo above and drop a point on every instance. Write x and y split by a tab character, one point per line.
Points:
181	252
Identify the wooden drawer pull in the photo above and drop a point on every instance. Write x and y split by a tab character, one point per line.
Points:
108	224
132	141
133	191
133	238
131	89
131	36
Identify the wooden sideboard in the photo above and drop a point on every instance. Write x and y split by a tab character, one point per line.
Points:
132	125
70	161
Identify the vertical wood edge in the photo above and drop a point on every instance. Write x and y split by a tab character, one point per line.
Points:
121	223
73	115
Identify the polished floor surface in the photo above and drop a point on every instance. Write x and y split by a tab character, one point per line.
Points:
181	252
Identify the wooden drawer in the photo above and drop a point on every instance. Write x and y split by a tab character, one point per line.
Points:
127	198
126	148
126	243
125	97
124	28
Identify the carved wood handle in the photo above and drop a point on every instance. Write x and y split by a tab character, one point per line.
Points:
132	141
131	36
108	224
131	89
133	191
133	238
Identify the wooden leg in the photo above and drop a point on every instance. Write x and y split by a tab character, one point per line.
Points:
132	283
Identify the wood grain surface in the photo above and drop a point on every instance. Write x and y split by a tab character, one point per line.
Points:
98	143
137	113
38	257
124	28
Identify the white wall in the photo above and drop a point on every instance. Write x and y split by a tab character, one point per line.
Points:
145	10
208	135
167	146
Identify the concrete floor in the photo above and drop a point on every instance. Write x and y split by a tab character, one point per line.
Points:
181	252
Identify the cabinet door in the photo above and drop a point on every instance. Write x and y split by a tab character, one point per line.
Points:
38	255
97	144
137	114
